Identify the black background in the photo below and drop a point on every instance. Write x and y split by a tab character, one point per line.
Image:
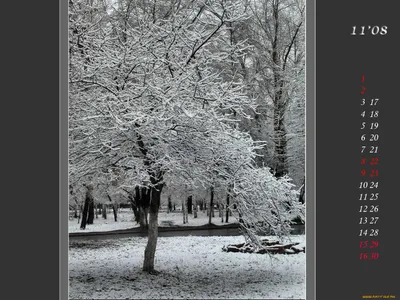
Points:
30	148
341	61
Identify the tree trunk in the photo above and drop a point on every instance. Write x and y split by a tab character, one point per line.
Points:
169	204
137	198
189	204
280	103
96	212
227	209
183	215
211	205
220	208
104	211
146	216
90	218
143	201
142	218
115	211
302	196
149	253
80	212
195	211
280	141
134	209
85	214
240	218
136	212
88	212
114	207
184	212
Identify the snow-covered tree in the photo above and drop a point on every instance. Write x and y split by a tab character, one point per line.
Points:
274	72
266	204
148	99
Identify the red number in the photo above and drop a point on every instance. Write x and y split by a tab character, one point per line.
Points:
374	255
363	88
374	244
374	161
374	173
369	244
370	256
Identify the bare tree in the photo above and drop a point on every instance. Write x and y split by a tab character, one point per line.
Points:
279	25
87	217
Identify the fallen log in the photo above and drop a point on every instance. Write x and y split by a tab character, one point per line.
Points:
270	247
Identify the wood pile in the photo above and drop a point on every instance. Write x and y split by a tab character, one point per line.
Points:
271	247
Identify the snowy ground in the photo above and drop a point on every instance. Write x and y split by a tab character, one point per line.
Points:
191	268
125	220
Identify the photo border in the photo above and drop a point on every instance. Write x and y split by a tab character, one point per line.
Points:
310	165
63	152
310	154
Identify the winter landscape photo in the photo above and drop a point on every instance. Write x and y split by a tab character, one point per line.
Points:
187	149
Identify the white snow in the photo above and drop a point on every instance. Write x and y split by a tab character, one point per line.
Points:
125	220
191	268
